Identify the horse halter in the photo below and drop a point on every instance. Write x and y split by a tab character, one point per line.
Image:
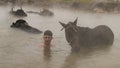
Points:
62	29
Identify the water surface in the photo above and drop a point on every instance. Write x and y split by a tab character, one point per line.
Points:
19	49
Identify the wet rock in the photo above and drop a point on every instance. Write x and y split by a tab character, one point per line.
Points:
98	10
75	5
46	12
18	12
107	6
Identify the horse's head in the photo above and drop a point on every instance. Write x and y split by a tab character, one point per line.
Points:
71	30
72	34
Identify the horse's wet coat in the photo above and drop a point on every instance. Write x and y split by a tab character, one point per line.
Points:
78	36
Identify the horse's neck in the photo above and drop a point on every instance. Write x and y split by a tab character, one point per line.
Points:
84	30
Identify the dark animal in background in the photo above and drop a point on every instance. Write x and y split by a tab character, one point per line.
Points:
79	37
18	12
46	12
23	25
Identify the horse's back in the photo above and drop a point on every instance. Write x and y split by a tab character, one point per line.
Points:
97	36
104	34
103	29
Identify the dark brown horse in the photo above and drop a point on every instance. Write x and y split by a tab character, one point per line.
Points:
79	37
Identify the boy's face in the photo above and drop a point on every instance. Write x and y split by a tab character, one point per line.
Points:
47	39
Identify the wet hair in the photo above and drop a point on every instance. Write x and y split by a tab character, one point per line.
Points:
48	32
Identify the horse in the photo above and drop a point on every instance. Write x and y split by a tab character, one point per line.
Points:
23	25
79	37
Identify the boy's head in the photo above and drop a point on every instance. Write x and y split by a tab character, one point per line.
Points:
47	37
48	32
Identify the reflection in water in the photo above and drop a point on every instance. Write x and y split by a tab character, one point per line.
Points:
47	53
87	50
47	56
72	60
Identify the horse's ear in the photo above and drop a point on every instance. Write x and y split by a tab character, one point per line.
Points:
75	22
64	25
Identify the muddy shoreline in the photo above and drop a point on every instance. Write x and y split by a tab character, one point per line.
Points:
92	6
